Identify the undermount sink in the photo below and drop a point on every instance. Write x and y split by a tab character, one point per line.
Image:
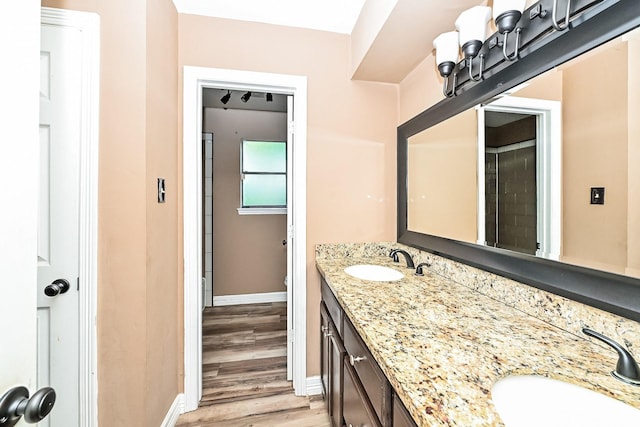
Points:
531	400
377	273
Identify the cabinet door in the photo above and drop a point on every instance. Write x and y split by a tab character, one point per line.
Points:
336	378
401	417
357	408
325	354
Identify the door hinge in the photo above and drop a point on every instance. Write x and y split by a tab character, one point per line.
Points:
77	284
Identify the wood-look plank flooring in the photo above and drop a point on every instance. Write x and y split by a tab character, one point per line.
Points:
245	372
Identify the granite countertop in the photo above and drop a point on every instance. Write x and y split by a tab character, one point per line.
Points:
443	345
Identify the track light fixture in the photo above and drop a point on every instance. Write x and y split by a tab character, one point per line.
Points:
269	97
245	97
226	98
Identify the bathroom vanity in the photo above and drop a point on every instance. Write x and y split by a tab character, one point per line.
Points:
427	351
355	388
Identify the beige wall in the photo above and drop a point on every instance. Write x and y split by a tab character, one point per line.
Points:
633	215
421	89
248	255
442	200
163	258
595	156
139	320
351	139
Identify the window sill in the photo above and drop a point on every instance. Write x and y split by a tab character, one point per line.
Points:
262	211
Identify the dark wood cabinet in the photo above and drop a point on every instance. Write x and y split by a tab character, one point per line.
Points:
355	389
331	372
373	380
357	407
324	350
401	417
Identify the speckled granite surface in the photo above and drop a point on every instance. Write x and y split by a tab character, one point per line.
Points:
444	339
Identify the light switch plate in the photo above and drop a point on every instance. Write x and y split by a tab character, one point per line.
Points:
161	190
597	195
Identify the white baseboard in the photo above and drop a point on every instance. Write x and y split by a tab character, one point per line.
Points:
314	386
177	408
250	298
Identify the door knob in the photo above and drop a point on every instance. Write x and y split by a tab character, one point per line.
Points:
15	404
58	286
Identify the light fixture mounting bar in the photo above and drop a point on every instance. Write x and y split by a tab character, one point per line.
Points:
536	29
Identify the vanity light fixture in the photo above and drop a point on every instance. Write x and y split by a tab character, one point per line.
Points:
226	98
446	45
554	19
472	30
531	29
245	97
506	14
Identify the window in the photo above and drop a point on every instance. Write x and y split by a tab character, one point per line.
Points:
263	181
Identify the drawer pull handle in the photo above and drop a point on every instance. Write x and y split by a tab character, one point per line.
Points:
353	360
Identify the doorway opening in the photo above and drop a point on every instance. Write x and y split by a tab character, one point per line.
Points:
245	196
519	175
196	80
511	208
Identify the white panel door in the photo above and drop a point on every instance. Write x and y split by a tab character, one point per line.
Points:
58	212
19	40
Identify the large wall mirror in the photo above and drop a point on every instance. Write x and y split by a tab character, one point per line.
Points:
541	182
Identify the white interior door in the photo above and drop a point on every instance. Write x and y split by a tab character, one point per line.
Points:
290	201
19	41
58	216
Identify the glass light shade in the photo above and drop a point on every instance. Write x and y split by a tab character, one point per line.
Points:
446	45
502	6
472	24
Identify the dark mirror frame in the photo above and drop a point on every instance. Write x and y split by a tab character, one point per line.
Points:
607	291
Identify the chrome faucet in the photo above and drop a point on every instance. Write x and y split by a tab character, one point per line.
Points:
394	255
627	369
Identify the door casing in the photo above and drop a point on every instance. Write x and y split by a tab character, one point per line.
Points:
195	79
549	167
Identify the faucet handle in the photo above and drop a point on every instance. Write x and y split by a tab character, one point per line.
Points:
626	369
419	271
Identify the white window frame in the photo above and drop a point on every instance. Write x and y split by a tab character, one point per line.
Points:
259	210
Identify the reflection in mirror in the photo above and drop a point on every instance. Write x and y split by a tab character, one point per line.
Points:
491	176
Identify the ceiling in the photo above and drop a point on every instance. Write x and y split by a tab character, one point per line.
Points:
338	16
392	36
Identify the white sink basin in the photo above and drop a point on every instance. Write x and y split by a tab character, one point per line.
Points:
531	400
377	273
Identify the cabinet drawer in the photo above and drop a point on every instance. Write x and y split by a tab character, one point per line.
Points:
357	409
371	377
401	417
334	309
